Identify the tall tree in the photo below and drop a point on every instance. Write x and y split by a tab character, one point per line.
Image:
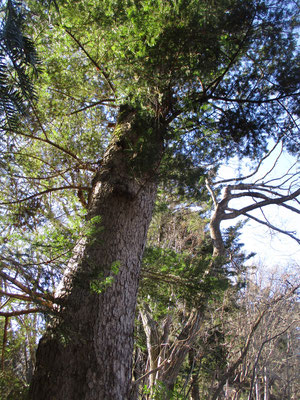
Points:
136	92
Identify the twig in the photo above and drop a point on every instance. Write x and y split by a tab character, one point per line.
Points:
274	228
252	173
259	353
150	372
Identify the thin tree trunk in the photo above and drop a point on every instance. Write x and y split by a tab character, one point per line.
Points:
257	388
153	342
195	392
180	349
87	353
266	384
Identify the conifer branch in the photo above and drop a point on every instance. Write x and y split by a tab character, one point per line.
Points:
98	66
44	192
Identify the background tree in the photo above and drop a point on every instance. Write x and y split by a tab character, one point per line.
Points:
272	303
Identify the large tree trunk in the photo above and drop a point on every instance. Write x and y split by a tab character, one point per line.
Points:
87	353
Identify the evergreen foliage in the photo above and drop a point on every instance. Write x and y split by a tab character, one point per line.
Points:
19	63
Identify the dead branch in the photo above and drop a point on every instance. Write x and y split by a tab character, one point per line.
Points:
262	193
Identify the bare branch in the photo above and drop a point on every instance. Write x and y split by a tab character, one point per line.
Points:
259	353
244	352
287	173
230	371
150	373
261	196
37	299
278	201
274	228
289	114
273	166
268	194
252	173
15	296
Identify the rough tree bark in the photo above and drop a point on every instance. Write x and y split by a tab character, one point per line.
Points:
87	352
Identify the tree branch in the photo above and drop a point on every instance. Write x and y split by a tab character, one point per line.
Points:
209	188
242	101
252	173
22	297
96	103
259	353
20	312
277	201
231	369
4	341
274	228
98	67
57	146
150	372
44	192
46	298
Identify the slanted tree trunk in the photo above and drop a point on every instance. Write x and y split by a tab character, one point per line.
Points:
180	349
153	343
87	353
165	360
